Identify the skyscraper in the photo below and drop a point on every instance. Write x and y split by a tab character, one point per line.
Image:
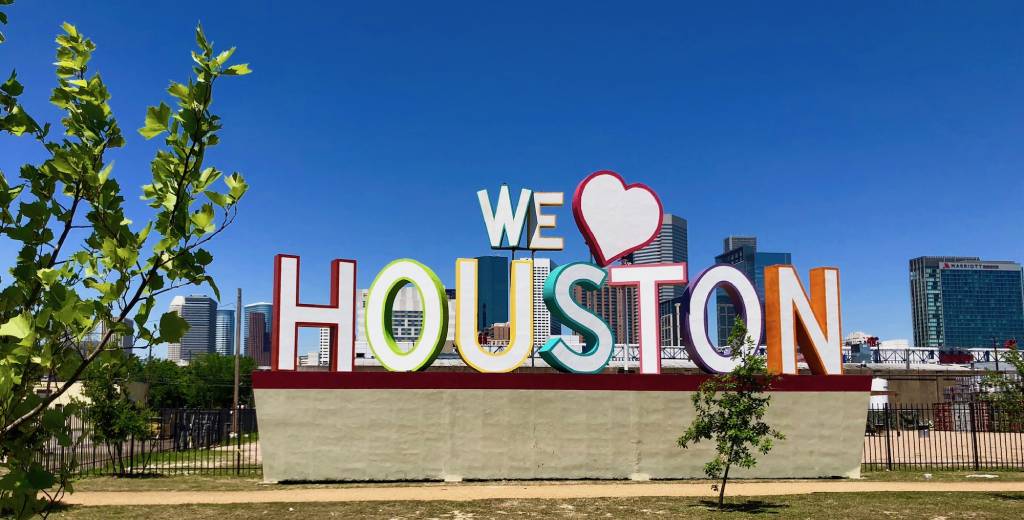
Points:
225	332
616	305
200	312
734	242
492	291
544	325
966	302
670	246
407	314
257	325
325	346
751	262
257	343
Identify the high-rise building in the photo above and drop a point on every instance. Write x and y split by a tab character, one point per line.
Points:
310	359
124	340
616	305
257	325
492	291
407	314
325	346
966	302
257	344
751	262
670	246
544	325
225	332
200	312
736	242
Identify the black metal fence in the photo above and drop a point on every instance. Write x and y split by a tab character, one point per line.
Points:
178	442
955	435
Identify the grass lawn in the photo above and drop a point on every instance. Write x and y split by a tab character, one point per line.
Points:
851	506
254	482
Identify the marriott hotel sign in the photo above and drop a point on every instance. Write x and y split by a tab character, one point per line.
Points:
980	266
615	219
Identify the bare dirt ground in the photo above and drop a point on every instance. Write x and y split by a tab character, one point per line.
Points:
458	492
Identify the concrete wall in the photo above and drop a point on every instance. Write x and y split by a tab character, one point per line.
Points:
516	433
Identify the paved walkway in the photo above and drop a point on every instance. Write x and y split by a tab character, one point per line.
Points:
515	491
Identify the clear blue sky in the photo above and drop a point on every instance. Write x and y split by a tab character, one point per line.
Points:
858	136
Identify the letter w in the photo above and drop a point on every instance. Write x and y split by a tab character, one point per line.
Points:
501	221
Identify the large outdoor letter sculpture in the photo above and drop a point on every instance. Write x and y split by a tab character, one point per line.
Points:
379	301
647	279
615	220
743	296
520	343
595	332
793	321
289	314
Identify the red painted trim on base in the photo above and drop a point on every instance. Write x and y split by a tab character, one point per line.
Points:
528	381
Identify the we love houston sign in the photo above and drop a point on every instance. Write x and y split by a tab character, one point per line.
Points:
615	219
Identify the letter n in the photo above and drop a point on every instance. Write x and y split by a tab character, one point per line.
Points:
289	314
793	321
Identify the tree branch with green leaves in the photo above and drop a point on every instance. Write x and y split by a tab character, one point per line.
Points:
82	265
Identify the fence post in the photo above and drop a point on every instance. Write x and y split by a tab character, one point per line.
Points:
974	434
888	441
238	442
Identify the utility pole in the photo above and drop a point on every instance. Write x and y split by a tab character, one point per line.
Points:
995	351
238	349
679	328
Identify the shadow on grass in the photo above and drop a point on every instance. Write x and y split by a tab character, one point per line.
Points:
753	507
1008	496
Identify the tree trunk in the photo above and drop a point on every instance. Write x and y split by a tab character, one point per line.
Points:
721	489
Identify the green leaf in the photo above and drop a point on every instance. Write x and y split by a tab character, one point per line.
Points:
237	185
178	90
203	219
39	478
201	39
217	198
12	87
18	326
238	70
172	327
156	121
105	172
223	57
48	276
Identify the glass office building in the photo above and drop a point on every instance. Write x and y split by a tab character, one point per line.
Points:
492	291
225	337
751	262
964	302
257	325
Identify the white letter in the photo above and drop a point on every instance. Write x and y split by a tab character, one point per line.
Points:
289	314
381	298
520	342
540	221
596	333
743	296
648	278
501	221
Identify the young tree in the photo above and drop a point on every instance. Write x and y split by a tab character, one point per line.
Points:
730	412
1005	390
81	264
115	419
